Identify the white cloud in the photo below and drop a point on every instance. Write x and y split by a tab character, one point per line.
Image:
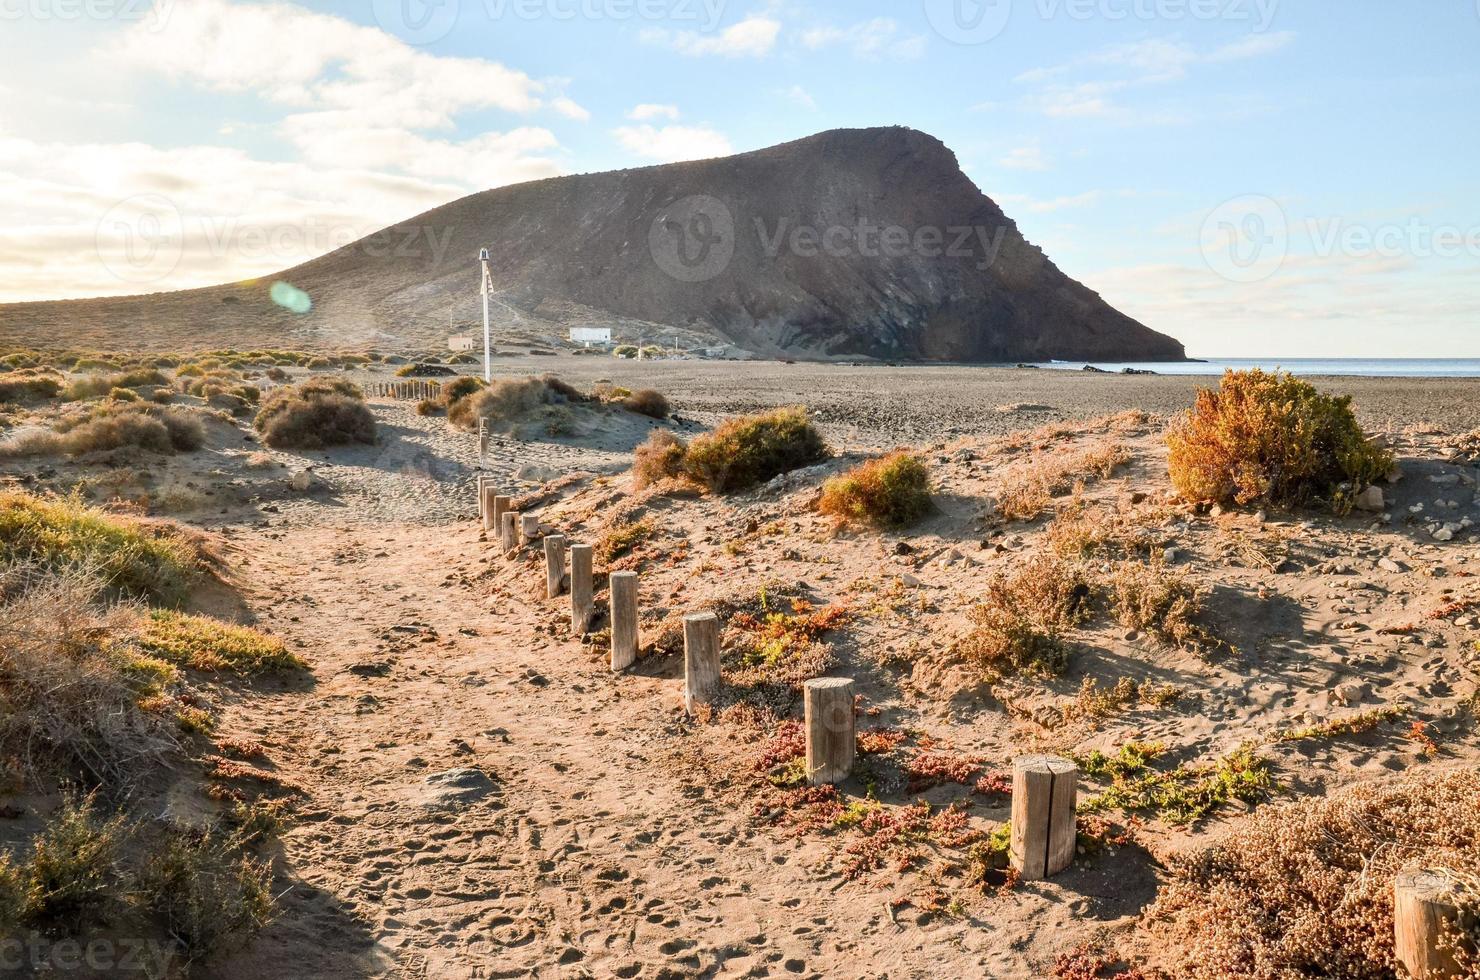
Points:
1029	157
649	110
1253	46
800	96
870	39
670	144
753	37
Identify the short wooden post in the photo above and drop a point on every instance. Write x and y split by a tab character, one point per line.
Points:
502	504
529	528
1044	795
509	530
486	495
623	589
831	741
580	587
1425	906
554	565
701	676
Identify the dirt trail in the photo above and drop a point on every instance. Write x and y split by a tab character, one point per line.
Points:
587	853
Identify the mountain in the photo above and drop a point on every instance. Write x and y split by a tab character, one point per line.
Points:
852	243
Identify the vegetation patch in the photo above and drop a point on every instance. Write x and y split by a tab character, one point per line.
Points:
1273	438
206	644
892	492
1148	596
1028	490
315	414
659	458
647	402
620	538
751	449
1184	795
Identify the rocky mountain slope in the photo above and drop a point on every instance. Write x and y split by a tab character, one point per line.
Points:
853	243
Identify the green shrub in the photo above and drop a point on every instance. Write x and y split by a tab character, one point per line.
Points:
71	874
892	491
207	889
1271	437
206	644
315	414
624	350
140	560
754	448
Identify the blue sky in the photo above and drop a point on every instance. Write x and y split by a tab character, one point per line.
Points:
1255	177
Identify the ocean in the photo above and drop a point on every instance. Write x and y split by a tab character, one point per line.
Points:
1375	367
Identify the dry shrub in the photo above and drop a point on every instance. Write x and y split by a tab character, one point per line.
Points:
1027	491
315	414
751	449
93	385
72	874
647	402
506	400
28	385
1150	597
70	685
1274	438
1018	628
892	491
208	890
458	389
659	458
1080	531
1306	889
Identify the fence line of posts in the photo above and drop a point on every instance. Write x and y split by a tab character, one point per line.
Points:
1043	826
414	389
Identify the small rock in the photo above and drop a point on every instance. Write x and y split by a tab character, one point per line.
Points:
301	480
1350	692
1388	565
1169	555
903	548
1443	534
1371	500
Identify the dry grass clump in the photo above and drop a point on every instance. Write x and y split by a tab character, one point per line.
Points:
1029	490
206	644
1150	597
208	889
647	402
892	491
511	400
94	385
751	449
115	426
1306	890
1274	438
1018	627
1081	531
659	458
315	414
620	538
138	559
28	384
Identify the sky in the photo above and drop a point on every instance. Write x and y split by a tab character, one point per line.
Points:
1254	177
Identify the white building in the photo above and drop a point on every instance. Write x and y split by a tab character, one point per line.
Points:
591	335
460	341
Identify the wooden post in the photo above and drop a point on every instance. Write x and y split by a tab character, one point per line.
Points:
831	741
623	589
700	659
554	565
529	528
509	531
580	588
1044	794
1425	906
487	493
502	504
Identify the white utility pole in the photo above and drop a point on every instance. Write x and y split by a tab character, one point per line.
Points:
487	332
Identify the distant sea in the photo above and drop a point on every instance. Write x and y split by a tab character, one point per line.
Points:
1375	367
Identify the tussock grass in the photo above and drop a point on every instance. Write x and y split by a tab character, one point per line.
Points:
751	449
511	400
95	385
647	402
147	561
206	644
315	414
1274	438
28	385
892	491
660	457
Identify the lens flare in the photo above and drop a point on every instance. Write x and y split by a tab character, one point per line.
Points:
290	297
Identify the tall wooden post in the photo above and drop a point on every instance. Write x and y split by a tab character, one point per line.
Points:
502	504
1425	906
554	565
580	587
509	531
529	528
831	739
701	675
1044	795
623	589
486	495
